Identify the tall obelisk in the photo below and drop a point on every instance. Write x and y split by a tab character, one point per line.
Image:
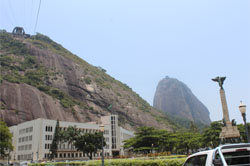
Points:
229	133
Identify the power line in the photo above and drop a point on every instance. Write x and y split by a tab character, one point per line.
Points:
37	15
12	12
24	13
31	10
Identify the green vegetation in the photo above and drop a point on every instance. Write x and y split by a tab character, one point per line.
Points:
5	140
211	134
148	139
19	66
87	80
55	141
242	131
123	162
88	143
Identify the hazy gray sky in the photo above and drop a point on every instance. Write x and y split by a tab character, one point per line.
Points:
139	42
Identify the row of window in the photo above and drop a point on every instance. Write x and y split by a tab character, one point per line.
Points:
25	147
48	137
48	128
69	146
65	146
24	157
25	139
83	130
73	155
26	130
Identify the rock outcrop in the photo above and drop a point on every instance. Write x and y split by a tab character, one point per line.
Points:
41	79
176	99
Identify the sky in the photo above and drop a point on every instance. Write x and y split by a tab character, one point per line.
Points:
139	42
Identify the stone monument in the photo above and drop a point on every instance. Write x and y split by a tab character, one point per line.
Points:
229	133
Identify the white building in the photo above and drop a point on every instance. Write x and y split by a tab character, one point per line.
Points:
32	139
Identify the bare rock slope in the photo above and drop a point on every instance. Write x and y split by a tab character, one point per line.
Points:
41	79
176	99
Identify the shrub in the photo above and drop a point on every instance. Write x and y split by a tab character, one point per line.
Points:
87	80
123	162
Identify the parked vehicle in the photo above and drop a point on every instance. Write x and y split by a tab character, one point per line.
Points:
24	163
225	155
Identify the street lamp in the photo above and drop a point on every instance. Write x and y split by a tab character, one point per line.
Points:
50	155
152	148
242	108
102	131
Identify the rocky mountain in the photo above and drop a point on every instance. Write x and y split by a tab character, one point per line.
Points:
41	79
177	100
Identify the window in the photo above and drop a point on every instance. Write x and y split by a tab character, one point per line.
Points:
237	158
106	132
48	137
48	128
196	161
47	146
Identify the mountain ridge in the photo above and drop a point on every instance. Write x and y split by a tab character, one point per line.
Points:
63	84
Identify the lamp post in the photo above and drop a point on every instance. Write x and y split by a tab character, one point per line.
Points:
50	155
152	148
242	108
102	131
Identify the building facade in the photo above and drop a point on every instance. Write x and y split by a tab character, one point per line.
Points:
32	139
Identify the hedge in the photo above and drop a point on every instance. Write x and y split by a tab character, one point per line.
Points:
120	162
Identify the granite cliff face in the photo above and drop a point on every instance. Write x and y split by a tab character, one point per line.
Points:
176	99
41	79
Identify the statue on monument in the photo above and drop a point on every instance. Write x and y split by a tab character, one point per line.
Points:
220	80
229	132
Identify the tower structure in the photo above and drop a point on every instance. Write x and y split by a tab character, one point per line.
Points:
229	132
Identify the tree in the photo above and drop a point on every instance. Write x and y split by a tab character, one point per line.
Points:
242	131
55	141
5	140
146	139
193	128
71	134
211	134
89	143
163	141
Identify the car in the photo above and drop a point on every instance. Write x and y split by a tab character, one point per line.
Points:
224	155
24	163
